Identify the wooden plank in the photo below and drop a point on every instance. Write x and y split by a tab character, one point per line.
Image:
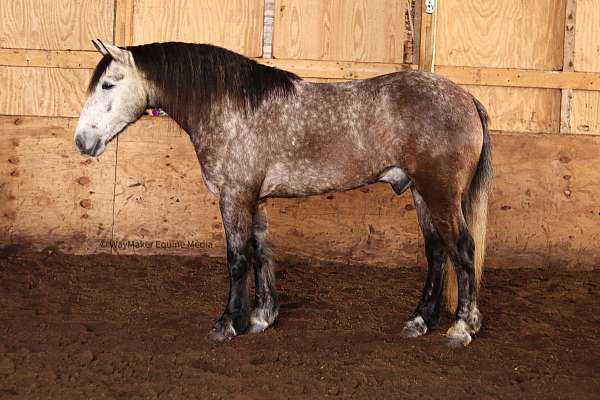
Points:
545	207
334	69
347	30
587	32
49	194
585	111
49	58
50	92
341	70
501	33
427	47
160	196
236	24
56	24
268	22
124	22
521	78
568	65
585	114
520	109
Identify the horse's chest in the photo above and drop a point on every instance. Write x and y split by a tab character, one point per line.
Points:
212	176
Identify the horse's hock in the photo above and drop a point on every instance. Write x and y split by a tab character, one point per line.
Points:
143	195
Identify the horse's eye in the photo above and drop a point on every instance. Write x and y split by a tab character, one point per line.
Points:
107	86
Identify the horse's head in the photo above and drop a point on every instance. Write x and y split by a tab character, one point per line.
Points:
117	96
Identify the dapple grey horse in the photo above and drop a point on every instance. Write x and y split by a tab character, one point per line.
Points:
260	132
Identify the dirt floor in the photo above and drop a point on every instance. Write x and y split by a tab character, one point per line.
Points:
135	327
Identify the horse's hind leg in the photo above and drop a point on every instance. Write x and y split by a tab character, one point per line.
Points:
428	309
266	307
447	217
237	209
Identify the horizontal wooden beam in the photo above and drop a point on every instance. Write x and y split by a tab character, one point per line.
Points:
341	70
521	78
49	58
335	69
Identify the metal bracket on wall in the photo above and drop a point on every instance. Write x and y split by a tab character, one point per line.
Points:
429	6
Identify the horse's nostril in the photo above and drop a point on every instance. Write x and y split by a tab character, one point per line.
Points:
79	144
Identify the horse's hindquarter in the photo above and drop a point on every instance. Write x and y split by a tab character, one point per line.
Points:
341	136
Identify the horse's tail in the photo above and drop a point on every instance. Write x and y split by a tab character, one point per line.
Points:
474	207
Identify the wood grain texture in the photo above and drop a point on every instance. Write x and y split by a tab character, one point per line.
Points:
520	109
124	22
585	113
49	58
585	105
334	69
235	24
160	195
566	108
345	30
545	207
50	92
49	194
512	77
501	33
509	77
55	24
587	32
428	38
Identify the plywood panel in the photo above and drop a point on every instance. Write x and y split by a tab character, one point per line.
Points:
585	112
587	32
160	195
545	207
49	194
520	109
349	30
42	91
501	33
55	24
235	24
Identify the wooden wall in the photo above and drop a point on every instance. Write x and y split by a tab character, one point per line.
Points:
535	64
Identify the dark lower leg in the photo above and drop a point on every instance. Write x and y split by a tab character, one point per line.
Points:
427	311
266	305
468	318
465	272
237	220
429	305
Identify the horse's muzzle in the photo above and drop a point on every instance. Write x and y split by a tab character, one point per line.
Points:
90	149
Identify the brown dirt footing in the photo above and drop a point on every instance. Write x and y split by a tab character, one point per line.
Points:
135	327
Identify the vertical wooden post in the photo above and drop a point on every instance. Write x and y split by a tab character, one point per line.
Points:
427	36
123	33
268	22
568	65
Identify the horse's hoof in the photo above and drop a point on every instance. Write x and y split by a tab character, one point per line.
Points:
458	335
414	328
261	319
474	320
223	330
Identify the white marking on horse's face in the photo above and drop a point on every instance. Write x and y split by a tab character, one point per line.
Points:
118	99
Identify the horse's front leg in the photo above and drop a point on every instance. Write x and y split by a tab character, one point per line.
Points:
237	209
266	307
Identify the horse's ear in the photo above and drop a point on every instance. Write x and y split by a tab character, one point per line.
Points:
118	54
99	46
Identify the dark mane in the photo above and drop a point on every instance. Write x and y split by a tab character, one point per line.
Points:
192	77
